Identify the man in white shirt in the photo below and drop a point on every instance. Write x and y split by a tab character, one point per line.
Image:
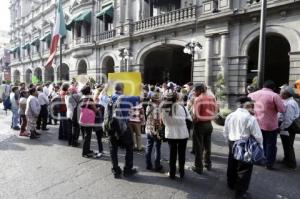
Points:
46	90
241	124
43	116
286	120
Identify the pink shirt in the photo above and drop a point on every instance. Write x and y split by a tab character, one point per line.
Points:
267	105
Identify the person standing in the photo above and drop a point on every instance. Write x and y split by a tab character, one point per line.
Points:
153	123
136	120
286	120
174	118
267	105
205	108
63	132
43	116
240	125
87	101
22	108
14	100
120	136
32	112
72	102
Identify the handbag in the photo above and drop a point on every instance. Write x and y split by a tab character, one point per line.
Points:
189	123
87	116
295	127
248	151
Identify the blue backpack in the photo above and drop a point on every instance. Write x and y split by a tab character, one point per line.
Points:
249	151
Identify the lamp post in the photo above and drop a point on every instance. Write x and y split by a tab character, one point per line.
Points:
190	48
125	55
262	44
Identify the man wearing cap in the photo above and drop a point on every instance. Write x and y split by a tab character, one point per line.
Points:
267	105
205	107
240	125
123	104
287	129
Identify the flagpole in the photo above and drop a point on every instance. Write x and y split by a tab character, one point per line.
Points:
60	58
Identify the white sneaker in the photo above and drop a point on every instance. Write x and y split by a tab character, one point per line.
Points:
99	155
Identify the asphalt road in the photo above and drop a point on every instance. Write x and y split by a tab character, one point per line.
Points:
48	168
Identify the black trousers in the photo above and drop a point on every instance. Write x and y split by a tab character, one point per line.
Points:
177	146
238	173
270	148
127	142
63	131
43	117
288	148
74	131
87	136
202	143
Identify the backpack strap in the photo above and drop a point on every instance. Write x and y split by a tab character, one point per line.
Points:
151	110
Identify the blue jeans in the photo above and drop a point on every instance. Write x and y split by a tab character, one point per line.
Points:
153	141
270	142
15	117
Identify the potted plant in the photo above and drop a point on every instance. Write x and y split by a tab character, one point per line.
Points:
220	93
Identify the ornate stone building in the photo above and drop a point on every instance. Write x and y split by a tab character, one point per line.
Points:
150	35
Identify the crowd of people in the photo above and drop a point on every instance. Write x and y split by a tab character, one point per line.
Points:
165	113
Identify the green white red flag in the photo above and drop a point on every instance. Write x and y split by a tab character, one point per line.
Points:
58	32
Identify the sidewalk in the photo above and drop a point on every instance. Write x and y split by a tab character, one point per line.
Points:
48	168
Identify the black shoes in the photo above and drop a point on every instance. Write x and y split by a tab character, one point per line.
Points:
45	129
33	135
129	172
243	196
197	170
208	167
117	172
16	128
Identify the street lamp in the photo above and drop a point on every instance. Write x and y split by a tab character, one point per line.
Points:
125	55
190	48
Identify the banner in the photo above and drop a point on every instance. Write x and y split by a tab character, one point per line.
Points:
132	82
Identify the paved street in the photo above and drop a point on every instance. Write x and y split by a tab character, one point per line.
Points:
47	168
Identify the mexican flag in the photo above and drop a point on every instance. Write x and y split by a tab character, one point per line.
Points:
58	32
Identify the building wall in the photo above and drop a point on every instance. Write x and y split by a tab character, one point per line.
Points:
225	35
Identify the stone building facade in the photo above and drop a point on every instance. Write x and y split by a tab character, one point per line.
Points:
149	36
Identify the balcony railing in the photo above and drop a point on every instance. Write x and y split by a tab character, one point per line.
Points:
166	19
106	35
82	40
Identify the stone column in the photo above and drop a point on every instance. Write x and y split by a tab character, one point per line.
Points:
83	33
128	11
224	58
208	62
294	66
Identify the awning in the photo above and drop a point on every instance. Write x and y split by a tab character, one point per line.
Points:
15	49
35	42
83	17
26	46
106	11
46	37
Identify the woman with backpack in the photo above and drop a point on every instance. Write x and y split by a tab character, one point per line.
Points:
87	102
174	117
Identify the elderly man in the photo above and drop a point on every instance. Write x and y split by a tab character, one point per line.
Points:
287	128
267	105
240	125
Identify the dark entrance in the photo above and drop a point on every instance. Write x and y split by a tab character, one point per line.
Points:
167	63
277	67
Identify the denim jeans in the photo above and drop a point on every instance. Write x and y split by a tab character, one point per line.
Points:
270	142
153	141
15	117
